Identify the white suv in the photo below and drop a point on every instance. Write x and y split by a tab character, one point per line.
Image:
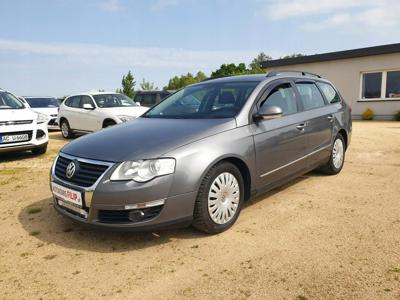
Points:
20	127
94	111
45	105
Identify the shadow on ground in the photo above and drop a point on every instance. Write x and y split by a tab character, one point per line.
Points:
42	221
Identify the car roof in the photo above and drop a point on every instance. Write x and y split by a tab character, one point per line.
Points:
37	97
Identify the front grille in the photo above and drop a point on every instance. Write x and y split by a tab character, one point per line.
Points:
21	122
122	216
28	132
87	173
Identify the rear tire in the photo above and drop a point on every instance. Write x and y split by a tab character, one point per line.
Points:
336	160
39	151
66	131
220	199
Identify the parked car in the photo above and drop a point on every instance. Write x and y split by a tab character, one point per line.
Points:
94	111
180	165
45	105
150	98
20	127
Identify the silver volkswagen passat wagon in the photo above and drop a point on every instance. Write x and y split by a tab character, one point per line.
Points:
197	156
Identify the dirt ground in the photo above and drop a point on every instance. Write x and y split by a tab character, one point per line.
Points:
320	237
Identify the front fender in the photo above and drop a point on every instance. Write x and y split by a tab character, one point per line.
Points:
194	160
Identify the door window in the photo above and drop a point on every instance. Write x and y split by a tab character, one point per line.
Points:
310	95
86	100
282	96
329	92
73	101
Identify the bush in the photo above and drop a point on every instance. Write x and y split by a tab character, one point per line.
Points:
368	114
397	116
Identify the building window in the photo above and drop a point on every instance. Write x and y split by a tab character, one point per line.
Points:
371	86
393	84
380	85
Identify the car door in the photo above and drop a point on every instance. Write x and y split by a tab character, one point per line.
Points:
319	120
280	143
71	111
89	119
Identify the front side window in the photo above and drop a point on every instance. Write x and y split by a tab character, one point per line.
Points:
393	84
8	101
282	96
204	101
371	85
86	100
113	100
329	92
310	95
42	102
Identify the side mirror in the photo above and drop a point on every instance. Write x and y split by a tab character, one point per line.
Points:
268	113
88	106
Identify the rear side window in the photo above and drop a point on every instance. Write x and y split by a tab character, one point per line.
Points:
329	92
282	96
310	95
73	101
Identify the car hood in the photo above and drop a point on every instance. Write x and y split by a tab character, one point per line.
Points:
17	114
144	138
134	111
47	110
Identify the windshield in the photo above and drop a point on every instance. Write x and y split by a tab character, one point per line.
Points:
113	100
204	101
42	102
9	101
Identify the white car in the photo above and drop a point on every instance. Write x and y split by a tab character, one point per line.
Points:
45	105
93	111
20	127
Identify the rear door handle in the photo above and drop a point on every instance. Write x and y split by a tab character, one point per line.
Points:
330	118
301	126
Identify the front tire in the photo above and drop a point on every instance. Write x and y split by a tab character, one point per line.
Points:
220	199
66	131
336	160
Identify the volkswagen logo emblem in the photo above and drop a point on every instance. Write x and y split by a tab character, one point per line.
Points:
72	168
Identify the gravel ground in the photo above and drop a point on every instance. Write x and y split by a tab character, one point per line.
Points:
319	237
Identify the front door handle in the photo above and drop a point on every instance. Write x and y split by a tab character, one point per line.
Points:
301	126
330	118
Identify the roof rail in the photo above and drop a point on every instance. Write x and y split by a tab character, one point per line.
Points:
303	73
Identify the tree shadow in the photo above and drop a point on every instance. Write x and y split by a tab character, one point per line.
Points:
42	221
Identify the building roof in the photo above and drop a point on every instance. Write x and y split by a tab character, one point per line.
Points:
369	51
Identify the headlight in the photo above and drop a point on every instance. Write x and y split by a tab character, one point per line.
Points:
125	118
144	170
41	118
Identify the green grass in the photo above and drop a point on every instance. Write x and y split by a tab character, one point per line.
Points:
394	270
34	210
34	233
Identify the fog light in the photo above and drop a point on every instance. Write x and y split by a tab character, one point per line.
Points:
136	215
40	134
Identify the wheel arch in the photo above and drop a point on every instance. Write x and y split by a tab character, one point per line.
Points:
343	132
106	120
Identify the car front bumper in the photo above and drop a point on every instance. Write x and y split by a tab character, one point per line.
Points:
114	205
39	138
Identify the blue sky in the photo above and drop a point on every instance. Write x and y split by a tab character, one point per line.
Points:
59	47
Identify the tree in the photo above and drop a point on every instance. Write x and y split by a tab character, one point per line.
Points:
232	69
293	55
148	86
176	83
256	63
128	85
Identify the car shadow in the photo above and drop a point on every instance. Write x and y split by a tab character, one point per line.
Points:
13	156
41	220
